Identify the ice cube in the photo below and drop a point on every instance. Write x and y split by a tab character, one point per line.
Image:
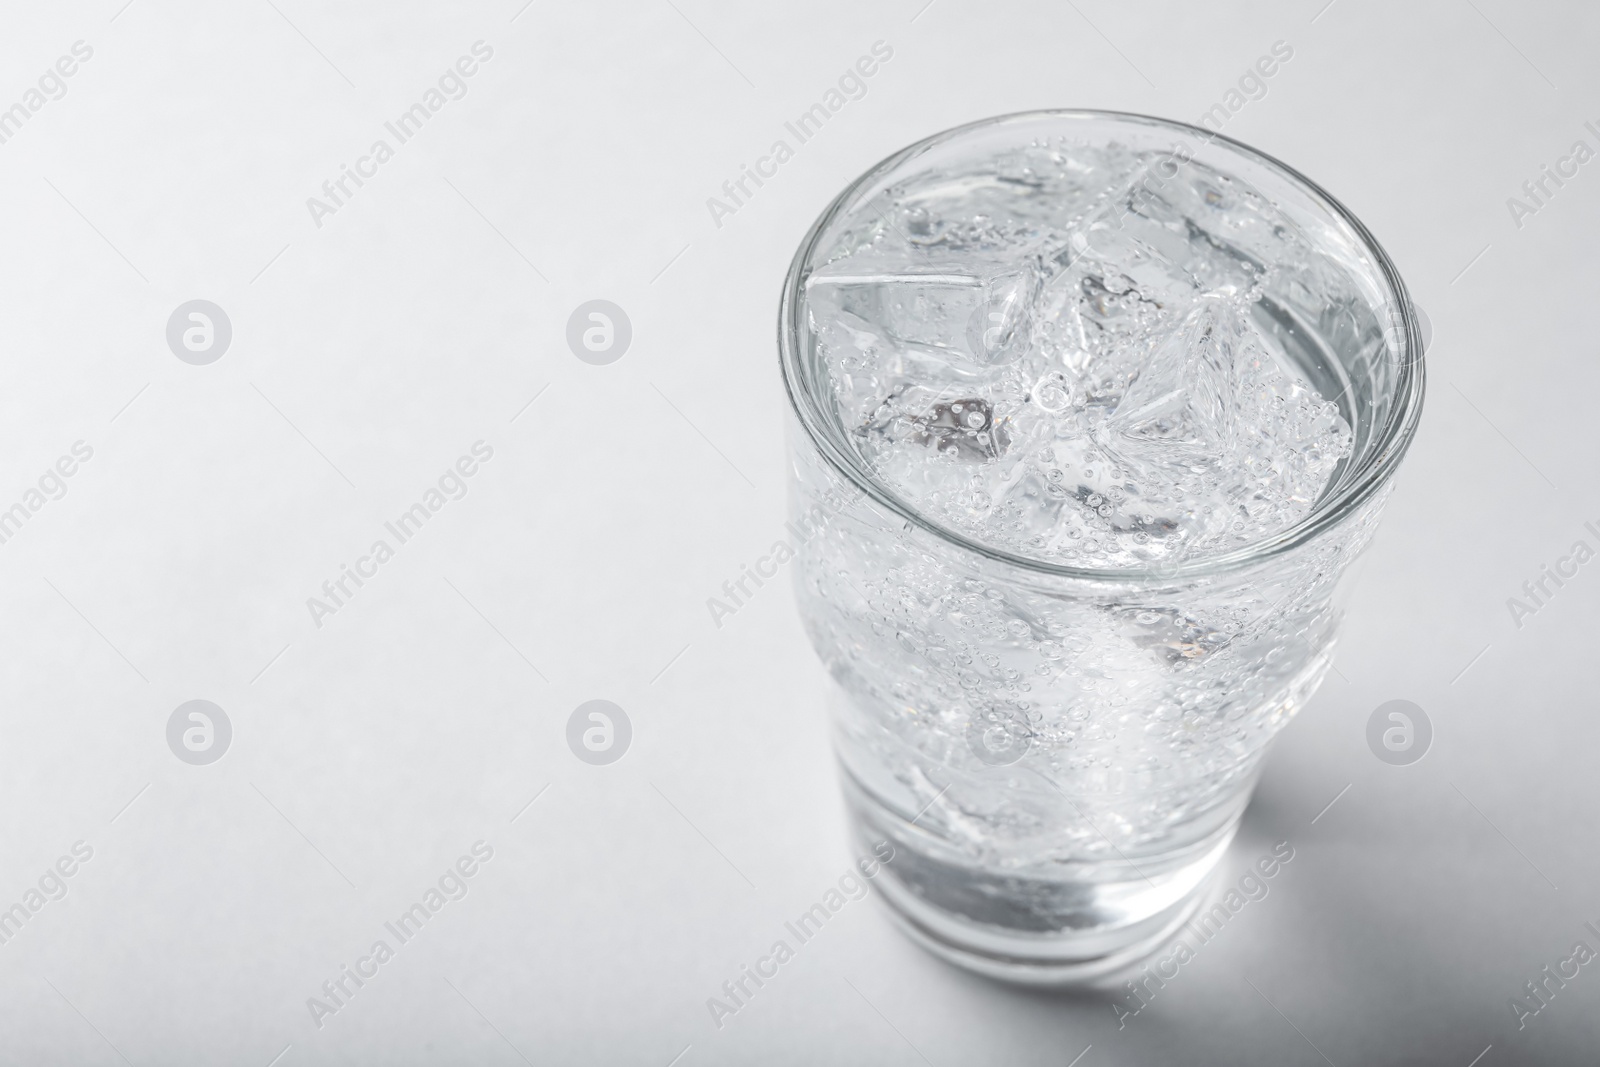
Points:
1094	320
965	429
999	329
973	318
1195	231
1179	408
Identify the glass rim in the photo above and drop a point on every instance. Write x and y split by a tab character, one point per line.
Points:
1376	468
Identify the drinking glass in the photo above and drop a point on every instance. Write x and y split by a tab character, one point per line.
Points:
1059	755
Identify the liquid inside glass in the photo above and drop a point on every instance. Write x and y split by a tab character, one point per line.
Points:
1056	355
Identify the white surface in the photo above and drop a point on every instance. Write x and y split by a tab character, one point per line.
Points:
376	749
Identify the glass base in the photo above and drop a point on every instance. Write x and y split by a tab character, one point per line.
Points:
1030	930
1078	959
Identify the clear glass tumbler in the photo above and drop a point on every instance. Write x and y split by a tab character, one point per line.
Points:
1060	755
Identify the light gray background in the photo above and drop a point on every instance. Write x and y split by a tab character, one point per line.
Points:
369	353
